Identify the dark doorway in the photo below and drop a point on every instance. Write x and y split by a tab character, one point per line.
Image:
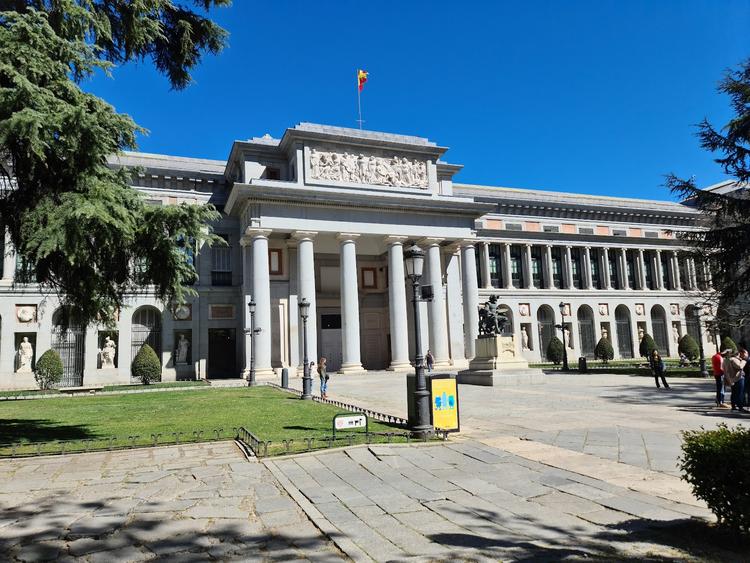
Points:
222	353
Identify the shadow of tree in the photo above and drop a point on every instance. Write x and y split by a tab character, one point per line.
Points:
59	526
41	430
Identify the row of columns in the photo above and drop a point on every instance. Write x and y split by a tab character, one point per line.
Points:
256	286
673	273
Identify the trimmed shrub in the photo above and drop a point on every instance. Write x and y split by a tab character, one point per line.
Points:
604	350
716	463
728	344
146	366
555	350
49	370
688	346
647	346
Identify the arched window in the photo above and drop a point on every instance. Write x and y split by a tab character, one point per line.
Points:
586	330
624	332
659	326
545	316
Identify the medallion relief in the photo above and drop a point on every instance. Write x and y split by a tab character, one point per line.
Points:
360	168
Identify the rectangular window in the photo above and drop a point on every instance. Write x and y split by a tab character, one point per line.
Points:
650	278
585	230
273	173
516	267
369	278
551	229
619	232
575	266
665	271
536	266
630	260
513	227
275	263
651	234
221	263
24	271
596	270
496	261
683	273
614	281
556	252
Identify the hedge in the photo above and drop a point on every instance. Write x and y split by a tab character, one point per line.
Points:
555	350
728	344
604	351
647	346
688	346
716	463
49	370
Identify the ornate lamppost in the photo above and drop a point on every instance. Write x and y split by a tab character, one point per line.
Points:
253	331
562	333
414	262
304	311
702	358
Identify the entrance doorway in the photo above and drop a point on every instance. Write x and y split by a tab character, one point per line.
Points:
68	341
222	353
330	341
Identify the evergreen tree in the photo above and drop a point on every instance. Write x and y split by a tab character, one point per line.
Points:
727	211
603	350
688	346
555	350
49	370
647	346
73	218
146	365
728	344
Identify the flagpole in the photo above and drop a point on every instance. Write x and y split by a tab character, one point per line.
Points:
359	101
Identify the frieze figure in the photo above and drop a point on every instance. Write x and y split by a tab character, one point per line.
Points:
492	321
368	169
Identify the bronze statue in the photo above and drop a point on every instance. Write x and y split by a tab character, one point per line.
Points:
492	321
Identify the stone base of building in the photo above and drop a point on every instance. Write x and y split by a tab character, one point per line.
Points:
400	367
348	369
497	363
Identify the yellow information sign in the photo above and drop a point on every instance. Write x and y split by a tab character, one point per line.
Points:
444	399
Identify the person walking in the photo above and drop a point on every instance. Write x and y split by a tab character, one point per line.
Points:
717	361
659	369
735	376
429	360
323	374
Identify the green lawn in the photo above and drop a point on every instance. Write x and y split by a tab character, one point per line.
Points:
269	413
168	384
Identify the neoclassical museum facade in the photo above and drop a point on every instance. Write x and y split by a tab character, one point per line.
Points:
324	214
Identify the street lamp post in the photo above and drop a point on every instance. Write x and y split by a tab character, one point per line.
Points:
251	310
562	331
304	311
702	360
414	262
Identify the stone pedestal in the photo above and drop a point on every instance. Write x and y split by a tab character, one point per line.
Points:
497	363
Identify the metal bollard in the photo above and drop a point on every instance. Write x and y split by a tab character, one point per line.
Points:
285	378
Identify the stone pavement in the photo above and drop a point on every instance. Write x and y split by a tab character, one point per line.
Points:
469	501
194	502
612	417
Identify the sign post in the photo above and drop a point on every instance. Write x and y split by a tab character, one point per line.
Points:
444	403
350	421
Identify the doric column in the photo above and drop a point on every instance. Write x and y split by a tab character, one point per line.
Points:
658	270
349	304
436	307
485	265
605	260
568	279
641	270
507	269
691	273
9	258
471	298
397	305
676	266
588	281
624	275
261	294
527	266
306	290
548	260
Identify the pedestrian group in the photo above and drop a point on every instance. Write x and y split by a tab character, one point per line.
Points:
731	371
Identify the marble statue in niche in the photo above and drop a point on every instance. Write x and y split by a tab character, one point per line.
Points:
675	334
107	353
368	169
25	356
524	338
183	345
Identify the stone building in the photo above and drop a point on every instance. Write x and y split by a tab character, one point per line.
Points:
324	214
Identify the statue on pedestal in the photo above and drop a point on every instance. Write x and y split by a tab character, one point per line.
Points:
108	353
182	349
524	338
492	321
25	355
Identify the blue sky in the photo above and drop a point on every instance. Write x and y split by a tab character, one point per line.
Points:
595	97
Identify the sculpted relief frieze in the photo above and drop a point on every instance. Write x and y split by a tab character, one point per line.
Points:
360	168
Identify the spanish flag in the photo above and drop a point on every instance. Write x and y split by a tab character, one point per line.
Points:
361	78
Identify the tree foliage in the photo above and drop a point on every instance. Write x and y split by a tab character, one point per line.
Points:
726	218
555	350
49	370
688	346
603	350
647	346
728	344
146	365
71	216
